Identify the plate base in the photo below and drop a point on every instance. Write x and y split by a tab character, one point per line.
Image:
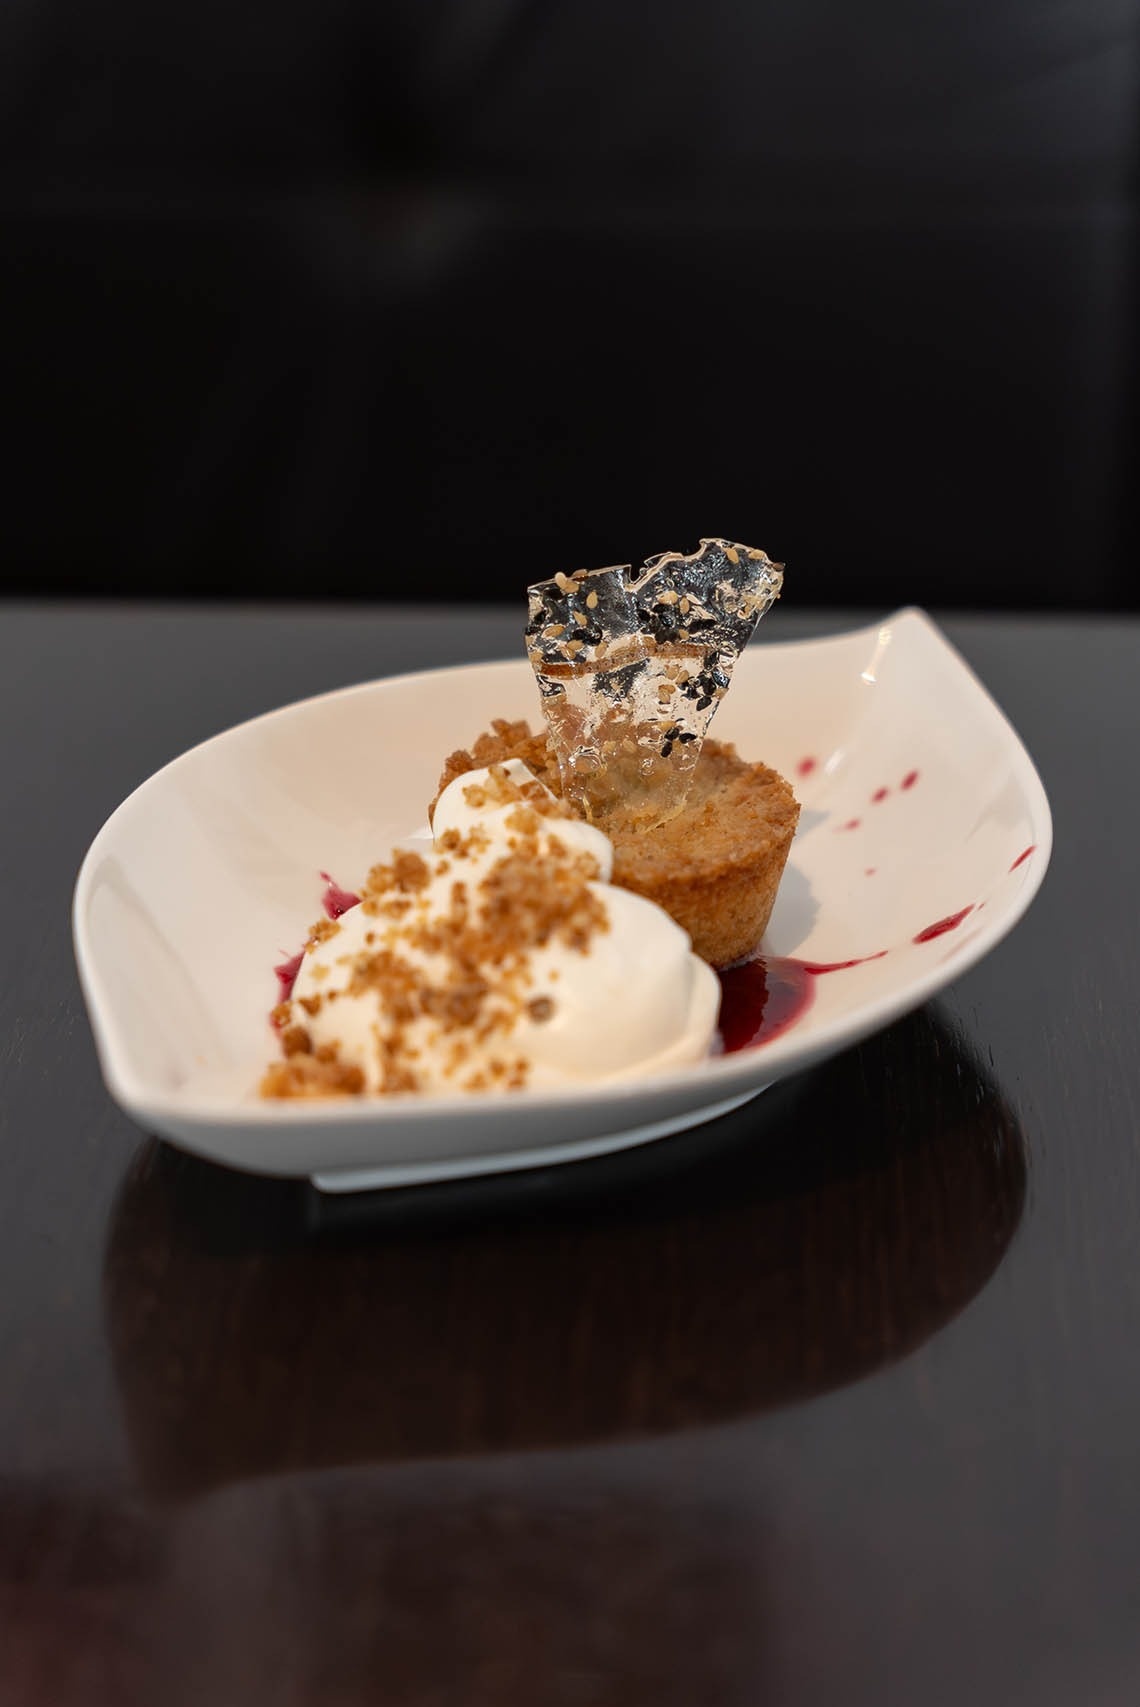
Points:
469	1167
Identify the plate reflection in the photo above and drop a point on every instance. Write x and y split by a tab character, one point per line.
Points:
793	1246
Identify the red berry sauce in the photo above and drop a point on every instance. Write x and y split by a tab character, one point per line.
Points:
763	998
941	926
286	975
337	900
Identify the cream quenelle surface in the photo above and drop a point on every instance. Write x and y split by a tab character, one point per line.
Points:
501	958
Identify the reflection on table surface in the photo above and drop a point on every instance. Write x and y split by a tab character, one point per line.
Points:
795	1245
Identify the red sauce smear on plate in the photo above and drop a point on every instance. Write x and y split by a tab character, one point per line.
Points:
805	767
1022	857
941	926
763	998
879	794
337	900
286	975
909	779
816	968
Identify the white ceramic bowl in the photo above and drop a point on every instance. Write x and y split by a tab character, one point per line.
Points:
919	802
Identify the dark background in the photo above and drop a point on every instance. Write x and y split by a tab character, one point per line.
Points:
323	298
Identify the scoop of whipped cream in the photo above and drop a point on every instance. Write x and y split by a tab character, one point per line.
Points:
502	958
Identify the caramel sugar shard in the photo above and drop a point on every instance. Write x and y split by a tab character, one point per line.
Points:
631	666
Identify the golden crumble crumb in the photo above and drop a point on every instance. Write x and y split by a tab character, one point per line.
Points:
411	870
305	1076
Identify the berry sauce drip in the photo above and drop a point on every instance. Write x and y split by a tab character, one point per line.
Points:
337	900
941	926
816	968
763	998
1023	856
805	767
286	975
909	779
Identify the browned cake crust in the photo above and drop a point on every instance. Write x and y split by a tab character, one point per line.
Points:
715	868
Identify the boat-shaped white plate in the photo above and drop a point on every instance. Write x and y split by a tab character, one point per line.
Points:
925	834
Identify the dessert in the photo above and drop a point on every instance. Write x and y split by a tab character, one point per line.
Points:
501	958
631	666
582	883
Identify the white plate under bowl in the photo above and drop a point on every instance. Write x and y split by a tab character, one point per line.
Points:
918	800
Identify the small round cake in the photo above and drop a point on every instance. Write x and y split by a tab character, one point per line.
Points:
714	868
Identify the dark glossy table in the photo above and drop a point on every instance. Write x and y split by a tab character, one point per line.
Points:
837	1401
